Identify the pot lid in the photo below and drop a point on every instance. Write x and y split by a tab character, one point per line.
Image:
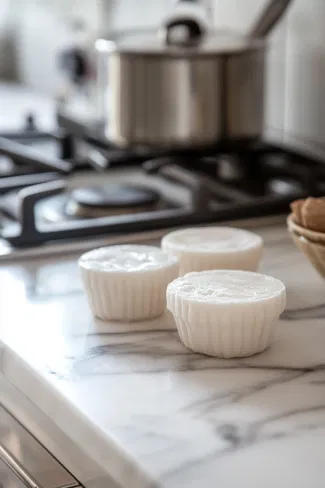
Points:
181	37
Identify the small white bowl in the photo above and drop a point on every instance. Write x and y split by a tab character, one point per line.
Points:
127	282
205	248
226	313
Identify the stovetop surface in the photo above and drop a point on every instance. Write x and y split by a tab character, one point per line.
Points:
39	211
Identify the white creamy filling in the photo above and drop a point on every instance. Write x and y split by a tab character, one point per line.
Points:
128	258
212	239
223	286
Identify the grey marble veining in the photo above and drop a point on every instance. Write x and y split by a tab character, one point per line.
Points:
153	414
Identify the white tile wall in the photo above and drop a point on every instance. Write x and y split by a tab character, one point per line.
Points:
236	14
305	87
42	31
138	13
276	80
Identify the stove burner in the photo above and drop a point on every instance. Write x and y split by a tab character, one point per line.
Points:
101	201
114	196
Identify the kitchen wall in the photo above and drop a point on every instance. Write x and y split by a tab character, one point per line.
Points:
42	30
305	84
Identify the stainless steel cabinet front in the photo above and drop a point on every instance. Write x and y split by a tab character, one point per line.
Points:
8	479
28	458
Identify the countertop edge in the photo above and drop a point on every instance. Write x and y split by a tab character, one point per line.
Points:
65	421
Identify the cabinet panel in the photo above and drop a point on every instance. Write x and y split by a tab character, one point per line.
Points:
30	455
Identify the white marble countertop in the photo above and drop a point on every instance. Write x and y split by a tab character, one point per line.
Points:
152	413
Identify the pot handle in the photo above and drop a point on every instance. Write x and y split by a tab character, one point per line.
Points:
270	15
194	32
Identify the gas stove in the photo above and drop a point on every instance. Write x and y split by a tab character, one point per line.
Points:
66	198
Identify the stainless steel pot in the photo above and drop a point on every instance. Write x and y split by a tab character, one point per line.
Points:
187	86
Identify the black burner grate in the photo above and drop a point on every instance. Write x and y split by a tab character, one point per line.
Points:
214	197
228	181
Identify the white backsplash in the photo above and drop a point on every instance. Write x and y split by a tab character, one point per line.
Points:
236	14
137	13
43	28
305	86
